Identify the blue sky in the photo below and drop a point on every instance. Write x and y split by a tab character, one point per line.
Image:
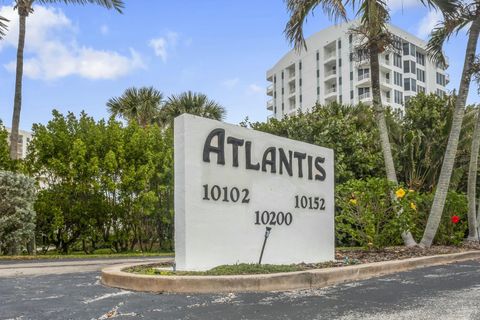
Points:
79	57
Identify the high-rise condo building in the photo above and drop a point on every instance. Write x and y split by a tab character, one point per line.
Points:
335	68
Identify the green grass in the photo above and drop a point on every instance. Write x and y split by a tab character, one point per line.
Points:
100	253
236	269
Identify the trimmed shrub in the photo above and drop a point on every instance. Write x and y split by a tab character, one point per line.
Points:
17	217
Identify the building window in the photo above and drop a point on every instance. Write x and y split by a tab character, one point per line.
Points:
441	79
318	55
300	65
406	84
405	49
318	90
420	89
318	73
406	67
350	38
283	106
339	44
420	58
397	60
340	62
440	93
340	81
398	97
283	91
275	110
300	82
275	79
275	94
413	67
282	75
300	98
363	73
351	75
340	98
397	78
420	75
365	92
351	94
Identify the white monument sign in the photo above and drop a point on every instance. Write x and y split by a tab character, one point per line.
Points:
238	190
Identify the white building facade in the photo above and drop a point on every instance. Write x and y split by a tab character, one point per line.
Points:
24	138
333	68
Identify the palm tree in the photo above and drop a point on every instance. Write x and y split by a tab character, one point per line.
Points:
374	38
25	8
453	23
472	182
142	105
193	103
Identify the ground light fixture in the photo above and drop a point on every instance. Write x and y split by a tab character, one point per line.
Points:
267	233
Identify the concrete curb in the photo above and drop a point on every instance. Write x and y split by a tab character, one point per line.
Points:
317	278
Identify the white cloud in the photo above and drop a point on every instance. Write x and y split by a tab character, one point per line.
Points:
163	45
52	50
104	29
254	89
428	23
230	83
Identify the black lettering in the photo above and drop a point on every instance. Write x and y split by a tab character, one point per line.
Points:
321	170
300	156
284	162
310	169
271	162
235	144
219	150
248	156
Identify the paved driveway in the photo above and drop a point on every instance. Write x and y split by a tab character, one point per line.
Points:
445	292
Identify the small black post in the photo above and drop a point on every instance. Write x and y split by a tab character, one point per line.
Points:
267	233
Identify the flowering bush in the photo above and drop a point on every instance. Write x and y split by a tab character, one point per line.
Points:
453	227
368	216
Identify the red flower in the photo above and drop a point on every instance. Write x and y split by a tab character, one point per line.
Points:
455	219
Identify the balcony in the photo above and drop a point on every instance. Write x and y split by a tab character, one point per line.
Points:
270	105
364	96
331	55
364	76
270	90
385	61
330	73
330	91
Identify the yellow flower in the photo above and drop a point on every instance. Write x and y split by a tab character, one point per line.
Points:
400	193
413	206
411	190
353	201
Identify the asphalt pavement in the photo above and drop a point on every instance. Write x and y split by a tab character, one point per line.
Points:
442	292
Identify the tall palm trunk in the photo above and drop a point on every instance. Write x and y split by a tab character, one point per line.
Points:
382	128
17	103
472	182
449	159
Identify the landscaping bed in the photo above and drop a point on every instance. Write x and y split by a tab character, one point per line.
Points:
343	256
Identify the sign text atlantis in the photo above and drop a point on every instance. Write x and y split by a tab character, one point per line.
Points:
273	160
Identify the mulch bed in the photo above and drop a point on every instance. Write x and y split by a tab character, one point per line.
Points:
399	253
353	256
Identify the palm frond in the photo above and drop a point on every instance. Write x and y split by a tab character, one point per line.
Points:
3	27
109	4
451	25
447	7
300	9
